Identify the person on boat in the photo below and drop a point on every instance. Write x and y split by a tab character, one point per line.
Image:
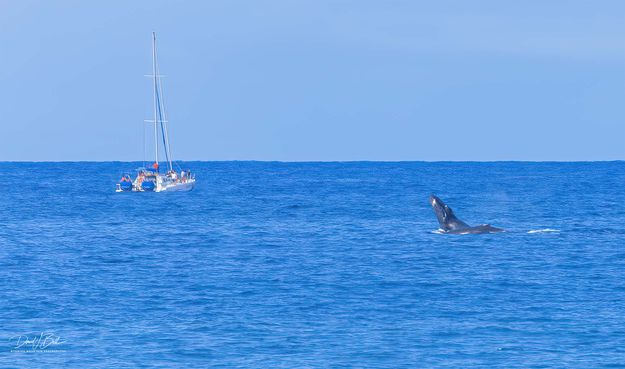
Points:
183	177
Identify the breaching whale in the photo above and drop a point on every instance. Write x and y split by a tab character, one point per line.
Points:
450	224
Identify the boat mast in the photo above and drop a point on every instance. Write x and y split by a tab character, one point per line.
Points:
155	92
160	117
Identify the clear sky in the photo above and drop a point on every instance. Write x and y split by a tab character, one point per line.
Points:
316	80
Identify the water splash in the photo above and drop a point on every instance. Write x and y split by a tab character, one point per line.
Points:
545	230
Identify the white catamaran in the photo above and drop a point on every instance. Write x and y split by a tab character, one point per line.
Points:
149	179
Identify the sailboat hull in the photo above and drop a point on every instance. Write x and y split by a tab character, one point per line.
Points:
176	186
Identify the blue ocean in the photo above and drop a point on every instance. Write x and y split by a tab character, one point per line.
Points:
313	265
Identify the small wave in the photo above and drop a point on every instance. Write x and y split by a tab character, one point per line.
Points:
545	230
438	231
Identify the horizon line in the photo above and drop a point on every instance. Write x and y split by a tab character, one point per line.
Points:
322	161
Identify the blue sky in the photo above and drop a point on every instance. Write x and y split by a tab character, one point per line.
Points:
316	80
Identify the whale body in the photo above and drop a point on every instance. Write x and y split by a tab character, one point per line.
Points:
449	223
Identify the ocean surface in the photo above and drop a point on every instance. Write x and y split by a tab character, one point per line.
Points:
313	265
